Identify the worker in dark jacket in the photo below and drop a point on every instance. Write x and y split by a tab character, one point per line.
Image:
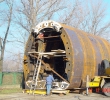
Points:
49	81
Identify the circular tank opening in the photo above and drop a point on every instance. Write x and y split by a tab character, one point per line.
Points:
49	40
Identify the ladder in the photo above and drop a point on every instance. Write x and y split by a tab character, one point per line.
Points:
36	73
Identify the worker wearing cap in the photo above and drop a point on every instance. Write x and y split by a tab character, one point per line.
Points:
49	81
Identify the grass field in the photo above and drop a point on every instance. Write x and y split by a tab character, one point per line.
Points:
10	90
11	83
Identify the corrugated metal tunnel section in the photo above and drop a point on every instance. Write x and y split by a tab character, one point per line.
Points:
75	54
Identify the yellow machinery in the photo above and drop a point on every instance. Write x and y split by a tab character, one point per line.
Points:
42	92
101	83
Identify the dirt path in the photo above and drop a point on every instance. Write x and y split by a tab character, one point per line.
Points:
70	96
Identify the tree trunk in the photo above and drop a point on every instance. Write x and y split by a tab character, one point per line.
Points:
4	41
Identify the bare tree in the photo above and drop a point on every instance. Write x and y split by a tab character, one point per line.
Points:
96	23
31	12
3	41
13	62
89	16
1	1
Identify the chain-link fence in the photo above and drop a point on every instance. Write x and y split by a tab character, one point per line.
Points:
10	82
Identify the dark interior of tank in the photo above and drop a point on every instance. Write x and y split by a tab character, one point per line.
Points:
49	40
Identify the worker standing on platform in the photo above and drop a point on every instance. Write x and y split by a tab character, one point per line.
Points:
49	81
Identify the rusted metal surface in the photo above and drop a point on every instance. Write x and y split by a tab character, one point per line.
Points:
84	52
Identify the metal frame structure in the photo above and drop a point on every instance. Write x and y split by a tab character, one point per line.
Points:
83	54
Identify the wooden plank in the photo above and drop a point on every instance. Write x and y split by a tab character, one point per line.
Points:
60	91
54	52
59	51
49	37
43	53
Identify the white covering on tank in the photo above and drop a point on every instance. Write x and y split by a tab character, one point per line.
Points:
47	24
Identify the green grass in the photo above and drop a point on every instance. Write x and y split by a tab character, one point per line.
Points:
10	90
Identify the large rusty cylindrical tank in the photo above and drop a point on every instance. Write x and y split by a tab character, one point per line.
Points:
83	55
